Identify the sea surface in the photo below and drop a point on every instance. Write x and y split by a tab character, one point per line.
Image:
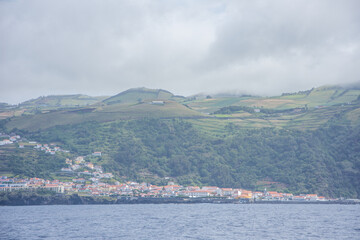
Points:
181	221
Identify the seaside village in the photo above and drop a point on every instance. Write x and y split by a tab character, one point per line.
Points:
89	179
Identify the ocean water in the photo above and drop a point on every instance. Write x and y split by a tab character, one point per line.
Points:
181	221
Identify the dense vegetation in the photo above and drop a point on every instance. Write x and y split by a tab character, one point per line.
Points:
325	161
30	163
46	197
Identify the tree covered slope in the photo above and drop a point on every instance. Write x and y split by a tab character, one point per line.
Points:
325	161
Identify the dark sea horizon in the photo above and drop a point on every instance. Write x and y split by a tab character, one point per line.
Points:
181	221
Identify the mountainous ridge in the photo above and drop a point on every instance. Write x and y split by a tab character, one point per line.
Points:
287	110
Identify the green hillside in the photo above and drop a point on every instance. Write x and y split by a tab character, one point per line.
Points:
60	101
314	98
136	95
306	142
297	118
324	161
47	103
101	113
302	110
28	163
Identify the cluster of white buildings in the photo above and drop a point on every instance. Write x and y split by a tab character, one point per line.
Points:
48	148
134	189
13	138
16	184
78	165
8	139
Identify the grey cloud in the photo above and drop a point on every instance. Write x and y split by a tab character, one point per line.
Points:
275	46
102	48
284	30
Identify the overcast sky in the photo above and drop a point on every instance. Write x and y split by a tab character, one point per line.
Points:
107	46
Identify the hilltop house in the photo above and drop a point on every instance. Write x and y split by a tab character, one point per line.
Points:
96	154
157	102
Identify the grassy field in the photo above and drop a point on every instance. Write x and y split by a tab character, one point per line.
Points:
104	113
139	94
323	96
212	105
273	103
11	113
49	103
354	116
57	101
311	119
306	120
216	126
321	104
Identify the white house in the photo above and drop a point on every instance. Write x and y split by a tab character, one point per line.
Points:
157	102
226	191
96	154
198	193
312	197
5	141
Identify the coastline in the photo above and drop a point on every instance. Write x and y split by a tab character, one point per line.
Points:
75	199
